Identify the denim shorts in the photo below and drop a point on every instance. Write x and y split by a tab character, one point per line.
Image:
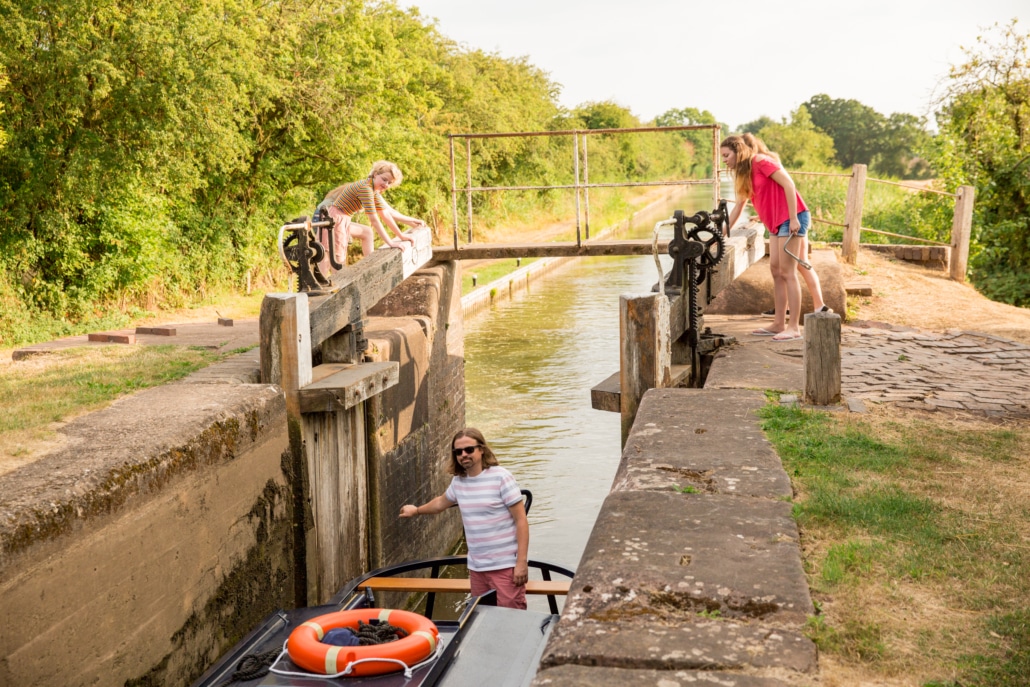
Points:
804	217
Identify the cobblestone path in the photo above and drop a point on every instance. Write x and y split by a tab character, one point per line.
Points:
924	370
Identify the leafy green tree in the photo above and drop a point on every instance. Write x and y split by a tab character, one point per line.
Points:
697	145
902	138
984	140
855	128
861	135
799	143
756	125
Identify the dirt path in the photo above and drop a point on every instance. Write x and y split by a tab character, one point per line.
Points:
907	294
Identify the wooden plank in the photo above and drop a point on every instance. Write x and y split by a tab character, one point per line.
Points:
558	249
440	585
605	396
343	386
608	396
414	256
961	229
337	496
357	288
858	288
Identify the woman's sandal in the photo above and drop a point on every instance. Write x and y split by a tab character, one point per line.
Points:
763	332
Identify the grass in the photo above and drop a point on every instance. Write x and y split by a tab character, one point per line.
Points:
56	387
916	541
488	272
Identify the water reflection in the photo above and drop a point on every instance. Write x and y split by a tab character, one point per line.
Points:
530	365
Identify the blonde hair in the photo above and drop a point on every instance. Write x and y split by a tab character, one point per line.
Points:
742	171
747	147
380	166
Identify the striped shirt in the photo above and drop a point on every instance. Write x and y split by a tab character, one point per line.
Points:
359	195
489	527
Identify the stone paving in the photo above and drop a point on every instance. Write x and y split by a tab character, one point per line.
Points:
957	370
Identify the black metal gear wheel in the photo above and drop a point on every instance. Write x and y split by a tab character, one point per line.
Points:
714	243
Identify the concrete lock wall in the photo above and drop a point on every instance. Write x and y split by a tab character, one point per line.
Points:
158	531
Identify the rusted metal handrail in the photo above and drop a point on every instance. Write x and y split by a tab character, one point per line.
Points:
579	184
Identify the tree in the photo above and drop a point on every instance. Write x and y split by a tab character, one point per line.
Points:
799	144
697	145
756	125
984	140
855	128
902	138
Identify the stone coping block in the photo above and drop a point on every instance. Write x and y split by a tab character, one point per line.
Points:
700	644
570	675
705	439
106	459
672	556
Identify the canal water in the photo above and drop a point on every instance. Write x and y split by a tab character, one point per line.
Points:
529	366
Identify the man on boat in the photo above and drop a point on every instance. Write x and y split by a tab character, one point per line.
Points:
496	527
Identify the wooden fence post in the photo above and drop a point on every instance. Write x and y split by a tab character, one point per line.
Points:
645	359
822	359
853	214
961	229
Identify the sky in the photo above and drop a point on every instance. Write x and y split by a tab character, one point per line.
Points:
738	59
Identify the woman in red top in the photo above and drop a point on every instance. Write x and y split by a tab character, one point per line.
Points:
759	178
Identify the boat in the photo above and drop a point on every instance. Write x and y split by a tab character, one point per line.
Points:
484	645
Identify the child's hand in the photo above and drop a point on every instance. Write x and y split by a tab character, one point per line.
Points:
409	511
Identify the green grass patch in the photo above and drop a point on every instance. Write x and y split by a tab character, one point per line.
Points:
897	512
69	382
485	273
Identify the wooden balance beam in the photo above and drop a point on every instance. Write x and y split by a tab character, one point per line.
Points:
441	585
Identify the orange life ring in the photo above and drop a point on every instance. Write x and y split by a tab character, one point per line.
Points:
307	650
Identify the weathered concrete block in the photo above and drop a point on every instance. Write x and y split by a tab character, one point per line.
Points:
706	439
153	535
644	643
703	553
583	676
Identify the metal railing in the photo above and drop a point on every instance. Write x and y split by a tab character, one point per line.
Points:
581	184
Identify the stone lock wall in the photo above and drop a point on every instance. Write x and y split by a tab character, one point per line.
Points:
160	530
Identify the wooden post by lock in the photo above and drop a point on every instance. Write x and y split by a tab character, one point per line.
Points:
961	228
822	359
286	345
853	214
645	358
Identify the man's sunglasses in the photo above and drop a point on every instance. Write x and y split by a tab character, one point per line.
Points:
467	450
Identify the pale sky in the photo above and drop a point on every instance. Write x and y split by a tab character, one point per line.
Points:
739	59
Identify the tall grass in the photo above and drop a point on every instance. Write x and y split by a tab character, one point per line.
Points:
885	207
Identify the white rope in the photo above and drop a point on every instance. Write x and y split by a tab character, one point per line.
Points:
654	251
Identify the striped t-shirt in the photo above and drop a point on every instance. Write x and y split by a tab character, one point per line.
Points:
489	528
359	195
